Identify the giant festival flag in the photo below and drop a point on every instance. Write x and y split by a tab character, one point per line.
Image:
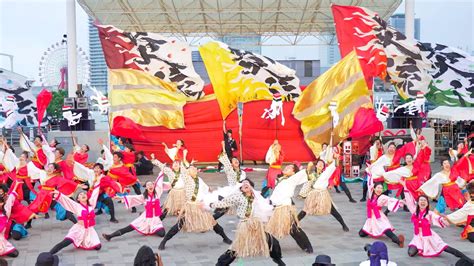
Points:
242	76
442	74
343	84
144	99
165	58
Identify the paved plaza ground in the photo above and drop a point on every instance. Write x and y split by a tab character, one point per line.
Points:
325	233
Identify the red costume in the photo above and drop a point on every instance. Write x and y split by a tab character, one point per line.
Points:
21	175
121	174
129	160
44	198
39	159
66	169
81	157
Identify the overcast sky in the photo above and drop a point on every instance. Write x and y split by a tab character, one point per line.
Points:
29	27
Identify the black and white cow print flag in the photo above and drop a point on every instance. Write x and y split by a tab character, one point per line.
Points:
165	58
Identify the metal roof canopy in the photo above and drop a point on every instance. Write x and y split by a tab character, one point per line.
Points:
192	20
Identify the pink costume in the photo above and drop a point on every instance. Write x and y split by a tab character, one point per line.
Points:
149	222
377	223
5	246
82	234
428	243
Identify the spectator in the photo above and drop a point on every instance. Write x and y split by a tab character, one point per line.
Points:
146	257
143	166
378	255
47	259
322	260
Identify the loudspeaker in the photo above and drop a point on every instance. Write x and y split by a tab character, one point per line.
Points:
82	103
84	125
70	101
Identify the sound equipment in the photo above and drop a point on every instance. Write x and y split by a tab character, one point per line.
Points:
82	103
84	125
70	101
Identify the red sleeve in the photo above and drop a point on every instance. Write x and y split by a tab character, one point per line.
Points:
42	157
81	157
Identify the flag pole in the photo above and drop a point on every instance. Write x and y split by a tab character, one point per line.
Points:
240	112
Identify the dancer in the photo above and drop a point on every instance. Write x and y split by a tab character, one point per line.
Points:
315	192
274	158
192	218
176	195
129	158
251	240
376	170
80	151
426	242
450	190
107	187
284	221
377	224
18	172
393	177
465	216
82	234
36	148
375	152
230	145
178	152
6	248
148	223
120	173
50	180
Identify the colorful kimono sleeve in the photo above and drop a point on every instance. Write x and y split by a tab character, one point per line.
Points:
392	204
394	176
35	173
460	216
10	161
26	144
436	220
94	196
9	203
410	201
270	156
431	188
48	152
131	201
69	204
84	173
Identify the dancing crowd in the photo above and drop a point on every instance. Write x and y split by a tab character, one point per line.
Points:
42	177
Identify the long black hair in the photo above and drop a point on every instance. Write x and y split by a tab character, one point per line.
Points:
417	212
145	192
375	185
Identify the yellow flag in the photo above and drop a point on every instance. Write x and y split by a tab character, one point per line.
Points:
344	84
241	76
147	100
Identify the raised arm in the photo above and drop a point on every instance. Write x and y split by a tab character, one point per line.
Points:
84	173
95	194
48	152
231	200
67	203
229	171
323	180
10	161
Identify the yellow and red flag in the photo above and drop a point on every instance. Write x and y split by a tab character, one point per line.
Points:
343	84
144	99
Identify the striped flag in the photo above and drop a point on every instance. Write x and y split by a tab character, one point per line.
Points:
343	84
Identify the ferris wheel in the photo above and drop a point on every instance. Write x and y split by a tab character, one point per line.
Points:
53	66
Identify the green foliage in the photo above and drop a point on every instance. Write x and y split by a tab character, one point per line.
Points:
56	105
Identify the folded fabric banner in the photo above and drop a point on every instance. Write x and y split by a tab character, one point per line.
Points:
165	58
242	76
146	100
343	84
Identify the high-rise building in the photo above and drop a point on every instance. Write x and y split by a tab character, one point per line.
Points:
398	22
98	67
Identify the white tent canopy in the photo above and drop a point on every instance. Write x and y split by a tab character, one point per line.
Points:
452	113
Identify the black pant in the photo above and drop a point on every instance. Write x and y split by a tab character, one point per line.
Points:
136	188
129	228
365	189
13	254
218	213
346	190
413	251
470	237
177	227
334	213
275	252
26	192
107	201
66	242
388	233
301	238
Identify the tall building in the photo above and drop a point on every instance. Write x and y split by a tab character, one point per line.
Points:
98	67
398	22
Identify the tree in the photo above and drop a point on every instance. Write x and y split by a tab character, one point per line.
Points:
56	105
